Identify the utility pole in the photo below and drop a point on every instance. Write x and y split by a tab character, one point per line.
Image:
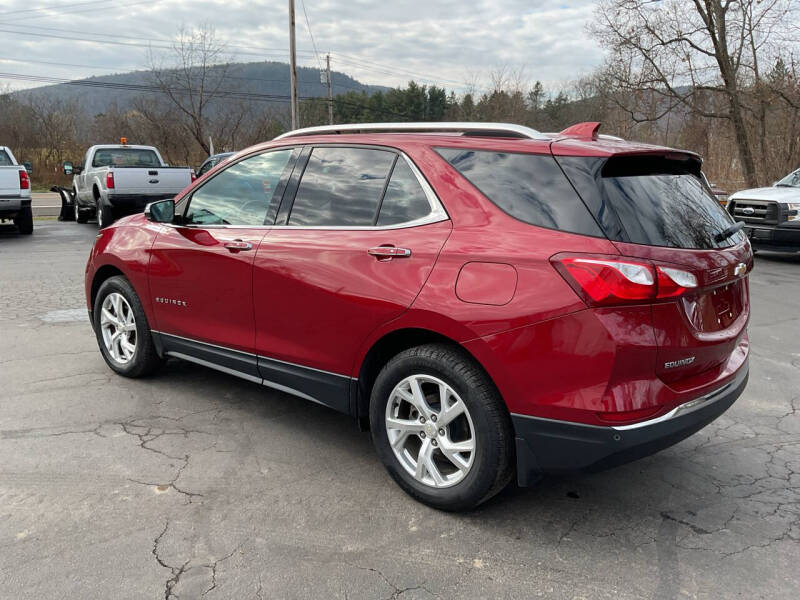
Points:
293	68
330	97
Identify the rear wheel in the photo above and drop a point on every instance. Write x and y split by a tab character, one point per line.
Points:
24	221
105	215
441	428
122	330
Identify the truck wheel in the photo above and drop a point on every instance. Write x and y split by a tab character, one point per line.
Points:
105	216
81	215
122	330
441	428
24	221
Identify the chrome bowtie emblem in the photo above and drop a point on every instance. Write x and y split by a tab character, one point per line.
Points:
740	269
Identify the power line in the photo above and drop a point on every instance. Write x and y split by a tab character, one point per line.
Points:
50	7
158	43
362	87
311	35
224	94
113	5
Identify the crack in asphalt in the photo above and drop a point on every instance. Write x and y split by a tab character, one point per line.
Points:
397	591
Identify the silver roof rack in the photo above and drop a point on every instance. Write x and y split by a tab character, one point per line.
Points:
480	129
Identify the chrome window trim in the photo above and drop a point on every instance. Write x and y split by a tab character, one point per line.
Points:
437	214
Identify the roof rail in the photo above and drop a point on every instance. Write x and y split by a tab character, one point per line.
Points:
475	129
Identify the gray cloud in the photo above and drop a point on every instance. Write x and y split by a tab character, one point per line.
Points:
446	42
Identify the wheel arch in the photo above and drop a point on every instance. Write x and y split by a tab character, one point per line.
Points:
103	273
391	344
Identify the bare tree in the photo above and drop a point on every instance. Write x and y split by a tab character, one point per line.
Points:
193	76
700	57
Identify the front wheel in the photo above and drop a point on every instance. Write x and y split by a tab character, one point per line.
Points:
81	214
122	330
441	428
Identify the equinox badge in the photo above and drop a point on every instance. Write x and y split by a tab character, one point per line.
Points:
679	363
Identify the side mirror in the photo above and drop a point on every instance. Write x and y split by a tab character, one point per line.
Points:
162	211
28	167
68	168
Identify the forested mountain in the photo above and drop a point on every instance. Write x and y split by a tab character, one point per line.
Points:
99	94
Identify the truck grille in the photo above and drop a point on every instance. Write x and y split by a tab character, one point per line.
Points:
754	211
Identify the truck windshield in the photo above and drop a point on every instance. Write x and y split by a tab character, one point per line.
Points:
791	180
125	157
5	159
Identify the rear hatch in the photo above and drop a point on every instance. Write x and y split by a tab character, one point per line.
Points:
659	213
156	181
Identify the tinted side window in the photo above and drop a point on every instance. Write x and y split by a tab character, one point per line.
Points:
241	194
529	187
405	200
341	186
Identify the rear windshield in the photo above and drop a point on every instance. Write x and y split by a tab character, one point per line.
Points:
5	159
651	200
529	187
125	157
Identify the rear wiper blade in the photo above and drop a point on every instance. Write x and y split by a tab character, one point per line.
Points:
726	233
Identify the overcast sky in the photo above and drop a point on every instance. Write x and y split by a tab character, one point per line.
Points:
447	42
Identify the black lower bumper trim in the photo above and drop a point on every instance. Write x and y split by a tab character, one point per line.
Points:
548	446
774	238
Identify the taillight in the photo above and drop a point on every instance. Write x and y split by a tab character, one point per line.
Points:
194	176
110	180
24	180
674	282
621	280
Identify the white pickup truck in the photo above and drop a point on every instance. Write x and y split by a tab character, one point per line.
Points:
15	193
120	179
771	215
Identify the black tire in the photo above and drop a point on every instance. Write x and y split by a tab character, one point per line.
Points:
492	466
24	221
105	215
145	359
81	214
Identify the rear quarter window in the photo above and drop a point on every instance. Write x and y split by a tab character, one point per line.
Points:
529	187
651	200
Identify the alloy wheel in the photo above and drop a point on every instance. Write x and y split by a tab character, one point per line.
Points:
118	325
430	431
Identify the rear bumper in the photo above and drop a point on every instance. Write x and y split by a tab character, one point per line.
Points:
547	445
782	239
135	202
10	206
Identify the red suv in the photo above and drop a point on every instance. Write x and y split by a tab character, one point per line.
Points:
490	300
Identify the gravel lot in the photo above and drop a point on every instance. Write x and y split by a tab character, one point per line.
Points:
193	483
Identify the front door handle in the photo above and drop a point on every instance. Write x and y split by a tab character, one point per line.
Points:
238	246
388	252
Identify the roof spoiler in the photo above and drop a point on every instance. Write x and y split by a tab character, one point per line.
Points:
583	131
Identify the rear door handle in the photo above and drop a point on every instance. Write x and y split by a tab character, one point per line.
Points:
387	252
238	245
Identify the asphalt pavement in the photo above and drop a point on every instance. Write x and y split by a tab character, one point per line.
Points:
195	484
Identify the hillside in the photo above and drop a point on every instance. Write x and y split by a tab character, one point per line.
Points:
271	78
